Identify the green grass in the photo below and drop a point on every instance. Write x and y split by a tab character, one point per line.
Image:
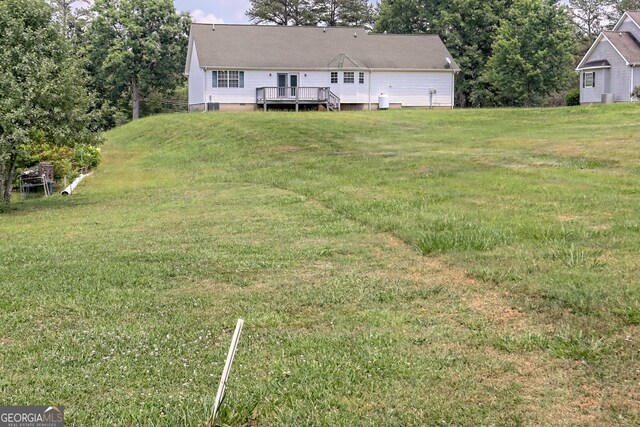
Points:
467	267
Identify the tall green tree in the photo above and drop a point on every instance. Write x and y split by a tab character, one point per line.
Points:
135	47
408	16
283	12
42	86
332	13
336	13
533	55
467	27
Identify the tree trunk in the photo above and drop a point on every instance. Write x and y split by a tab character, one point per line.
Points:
136	97
6	182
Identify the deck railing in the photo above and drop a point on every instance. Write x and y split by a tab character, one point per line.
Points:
297	95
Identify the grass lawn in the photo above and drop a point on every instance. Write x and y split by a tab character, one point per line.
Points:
407	268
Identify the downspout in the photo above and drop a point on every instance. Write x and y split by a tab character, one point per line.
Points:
204	88
453	89
631	83
370	89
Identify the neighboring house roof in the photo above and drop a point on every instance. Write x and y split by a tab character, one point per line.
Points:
315	48
627	46
633	14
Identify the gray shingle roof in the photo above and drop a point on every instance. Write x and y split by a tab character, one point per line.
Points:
635	15
626	44
315	48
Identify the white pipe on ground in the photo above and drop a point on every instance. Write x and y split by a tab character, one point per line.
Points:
67	191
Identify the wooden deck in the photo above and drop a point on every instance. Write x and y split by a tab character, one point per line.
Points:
297	96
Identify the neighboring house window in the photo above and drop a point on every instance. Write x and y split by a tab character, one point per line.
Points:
334	77
349	77
233	79
589	79
361	78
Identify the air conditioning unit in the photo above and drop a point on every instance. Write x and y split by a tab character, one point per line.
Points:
608	98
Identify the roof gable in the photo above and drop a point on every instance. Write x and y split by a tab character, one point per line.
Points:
624	43
633	15
343	61
315	48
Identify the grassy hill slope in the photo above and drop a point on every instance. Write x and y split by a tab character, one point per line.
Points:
393	268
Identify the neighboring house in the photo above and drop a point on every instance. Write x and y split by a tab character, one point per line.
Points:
247	67
611	68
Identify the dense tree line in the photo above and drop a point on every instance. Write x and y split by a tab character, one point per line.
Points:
511	52
501	46
332	13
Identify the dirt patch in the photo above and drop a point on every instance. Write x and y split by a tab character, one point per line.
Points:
496	310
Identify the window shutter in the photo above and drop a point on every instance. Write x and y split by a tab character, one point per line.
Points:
594	79
584	80
241	74
214	79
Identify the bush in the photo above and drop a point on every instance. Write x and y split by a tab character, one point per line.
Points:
573	97
66	161
636	92
86	156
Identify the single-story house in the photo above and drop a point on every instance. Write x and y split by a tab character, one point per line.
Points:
248	67
611	68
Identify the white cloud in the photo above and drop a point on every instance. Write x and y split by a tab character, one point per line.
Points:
198	15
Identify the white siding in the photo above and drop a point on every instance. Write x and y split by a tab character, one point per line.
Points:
616	80
196	80
630	26
256	79
411	89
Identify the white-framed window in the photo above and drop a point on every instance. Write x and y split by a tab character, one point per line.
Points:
224	78
334	77
361	78
349	77
589	79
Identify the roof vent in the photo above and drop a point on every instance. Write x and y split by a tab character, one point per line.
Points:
448	62
355	34
213	27
324	30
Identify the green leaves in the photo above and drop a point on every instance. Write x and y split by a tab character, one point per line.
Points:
136	44
42	86
532	55
333	13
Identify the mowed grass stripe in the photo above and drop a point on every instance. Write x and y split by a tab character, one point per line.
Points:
394	268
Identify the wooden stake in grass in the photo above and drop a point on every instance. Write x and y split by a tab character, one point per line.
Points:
227	369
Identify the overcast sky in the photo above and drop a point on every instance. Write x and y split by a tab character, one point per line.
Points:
217	11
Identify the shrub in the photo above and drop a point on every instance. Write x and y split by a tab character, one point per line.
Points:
66	161
573	97
636	92
86	156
